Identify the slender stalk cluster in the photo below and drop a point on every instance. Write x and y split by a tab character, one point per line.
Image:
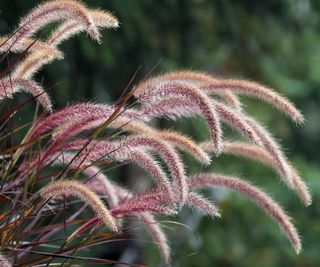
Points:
76	140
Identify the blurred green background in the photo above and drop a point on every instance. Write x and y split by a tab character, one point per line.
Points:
274	42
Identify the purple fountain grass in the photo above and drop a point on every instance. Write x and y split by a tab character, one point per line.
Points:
169	156
153	227
73	139
123	150
200	203
152	90
255	194
28	67
260	154
178	107
101	19
271	145
138	207
259	91
157	234
97	151
123	123
53	11
201	79
8	44
179	140
213	85
77	189
83	111
10	86
96	179
147	218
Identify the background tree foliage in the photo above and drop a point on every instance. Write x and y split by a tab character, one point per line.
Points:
274	42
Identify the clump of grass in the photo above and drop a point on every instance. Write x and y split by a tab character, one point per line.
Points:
36	197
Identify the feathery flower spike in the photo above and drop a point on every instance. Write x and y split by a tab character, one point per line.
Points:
157	234
98	183
101	19
52	11
201	79
77	189
151	90
169	156
4	262
255	194
197	201
259	91
179	107
7	45
34	61
12	86
260	154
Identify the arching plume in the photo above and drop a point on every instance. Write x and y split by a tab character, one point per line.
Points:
201	79
101	19
77	189
52	11
151	90
7	44
9	87
256	195
256	153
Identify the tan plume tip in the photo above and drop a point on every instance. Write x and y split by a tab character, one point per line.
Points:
12	86
77	189
101	19
52	11
271	208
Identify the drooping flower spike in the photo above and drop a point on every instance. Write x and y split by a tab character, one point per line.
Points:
101	19
218	86
149	92
257	196
181	107
7	44
4	262
123	123
201	79
52	11
123	148
260	154
97	180
9	87
89	197
28	67
81	112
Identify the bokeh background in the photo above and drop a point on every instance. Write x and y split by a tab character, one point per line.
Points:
274	42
